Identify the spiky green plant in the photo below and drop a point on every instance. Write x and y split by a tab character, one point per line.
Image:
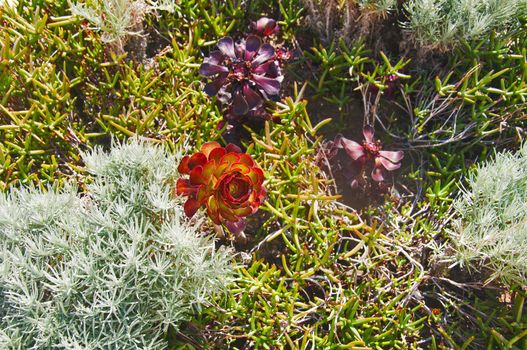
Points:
113	268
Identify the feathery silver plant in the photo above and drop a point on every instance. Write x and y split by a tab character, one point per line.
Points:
111	269
492	230
442	24
118	19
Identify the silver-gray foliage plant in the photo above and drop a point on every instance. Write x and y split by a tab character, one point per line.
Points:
442	24
492	229
113	268
118	19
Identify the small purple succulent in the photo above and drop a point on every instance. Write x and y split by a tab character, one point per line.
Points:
265	27
244	74
370	151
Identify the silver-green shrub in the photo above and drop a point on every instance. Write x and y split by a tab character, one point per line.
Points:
112	268
118	19
442	24
491	232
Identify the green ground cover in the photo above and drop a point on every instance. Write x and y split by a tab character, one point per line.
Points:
323	266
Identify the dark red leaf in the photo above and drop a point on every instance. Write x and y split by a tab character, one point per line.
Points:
392	156
197	160
269	85
389	165
184	188
196	176
208	147
376	174
233	148
266	26
207	69
239	104
252	45
252	97
265	53
368	133
236	228
191	207
215	57
216	154
213	87
352	148
266	68
183	165
226	46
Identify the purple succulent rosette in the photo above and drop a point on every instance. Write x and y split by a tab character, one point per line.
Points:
370	151
265	27
243	74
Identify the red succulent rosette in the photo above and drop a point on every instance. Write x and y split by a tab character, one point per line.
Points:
225	180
